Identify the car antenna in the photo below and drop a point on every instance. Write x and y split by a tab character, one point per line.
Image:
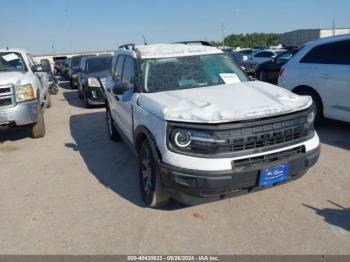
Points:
144	39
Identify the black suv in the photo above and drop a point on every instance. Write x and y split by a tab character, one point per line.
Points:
91	78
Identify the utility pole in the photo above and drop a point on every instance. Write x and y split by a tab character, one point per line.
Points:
223	34
333	25
53	49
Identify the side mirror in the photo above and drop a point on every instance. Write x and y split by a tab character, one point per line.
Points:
120	87
38	69
46	68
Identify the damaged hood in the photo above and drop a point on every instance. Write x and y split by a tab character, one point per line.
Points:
223	103
13	78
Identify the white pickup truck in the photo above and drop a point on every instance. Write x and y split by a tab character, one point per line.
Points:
24	92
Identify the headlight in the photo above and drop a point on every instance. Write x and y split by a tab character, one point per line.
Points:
311	117
24	93
92	81
194	141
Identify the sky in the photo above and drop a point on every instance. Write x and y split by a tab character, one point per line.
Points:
47	26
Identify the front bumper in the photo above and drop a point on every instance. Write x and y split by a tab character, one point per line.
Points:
95	95
194	186
25	113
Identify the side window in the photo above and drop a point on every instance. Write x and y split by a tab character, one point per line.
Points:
119	68
333	53
264	54
129	71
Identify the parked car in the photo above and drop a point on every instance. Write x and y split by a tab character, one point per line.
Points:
259	58
24	94
201	128
46	66
321	69
269	71
92	78
65	69
73	70
58	66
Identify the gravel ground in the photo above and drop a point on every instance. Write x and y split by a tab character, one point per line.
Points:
76	192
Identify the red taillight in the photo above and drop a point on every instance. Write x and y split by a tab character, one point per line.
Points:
281	71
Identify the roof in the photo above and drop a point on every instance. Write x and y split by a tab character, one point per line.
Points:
329	39
174	50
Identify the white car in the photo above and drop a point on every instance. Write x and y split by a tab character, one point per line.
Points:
265	55
201	128
24	91
321	69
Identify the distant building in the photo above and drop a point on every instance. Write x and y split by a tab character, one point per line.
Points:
53	57
300	37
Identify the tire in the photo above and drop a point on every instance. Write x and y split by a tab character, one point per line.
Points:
317	102
80	95
262	76
86	102
49	103
152	190
38	129
112	131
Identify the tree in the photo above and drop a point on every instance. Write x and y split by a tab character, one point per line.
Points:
252	40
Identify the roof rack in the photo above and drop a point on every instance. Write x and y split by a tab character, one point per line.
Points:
205	43
128	46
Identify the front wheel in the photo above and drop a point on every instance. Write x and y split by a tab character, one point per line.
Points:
262	76
152	190
38	129
317	103
112	131
86	101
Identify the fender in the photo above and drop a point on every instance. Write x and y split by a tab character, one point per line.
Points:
141	133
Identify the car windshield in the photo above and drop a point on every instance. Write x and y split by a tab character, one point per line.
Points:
75	62
285	57
11	61
164	74
98	64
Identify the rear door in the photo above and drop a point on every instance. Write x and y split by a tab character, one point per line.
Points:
330	67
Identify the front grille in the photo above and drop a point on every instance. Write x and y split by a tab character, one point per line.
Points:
6	95
263	134
265	159
5	90
5	101
247	137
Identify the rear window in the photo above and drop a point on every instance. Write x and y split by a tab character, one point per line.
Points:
98	64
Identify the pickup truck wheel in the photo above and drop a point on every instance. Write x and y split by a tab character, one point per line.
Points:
38	129
152	189
112	131
49	103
